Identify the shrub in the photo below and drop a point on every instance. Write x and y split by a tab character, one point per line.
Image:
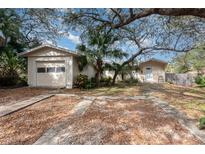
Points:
83	82
105	81
130	81
12	68
90	84
202	123
8	81
200	80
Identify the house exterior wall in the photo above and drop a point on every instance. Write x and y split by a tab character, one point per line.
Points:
107	74
88	70
47	55
158	69
75	69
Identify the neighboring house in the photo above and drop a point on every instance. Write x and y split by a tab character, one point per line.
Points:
153	71
50	66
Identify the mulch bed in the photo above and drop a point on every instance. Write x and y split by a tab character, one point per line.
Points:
27	125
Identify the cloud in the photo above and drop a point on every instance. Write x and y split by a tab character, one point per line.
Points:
48	42
146	43
73	38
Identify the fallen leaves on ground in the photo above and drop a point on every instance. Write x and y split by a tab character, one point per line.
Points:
27	125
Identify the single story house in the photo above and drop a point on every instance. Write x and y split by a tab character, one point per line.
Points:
51	66
153	70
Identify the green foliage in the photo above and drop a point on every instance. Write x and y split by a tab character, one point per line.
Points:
11	68
126	69
11	29
131	81
106	81
83	82
90	84
82	62
98	47
190	61
202	123
200	80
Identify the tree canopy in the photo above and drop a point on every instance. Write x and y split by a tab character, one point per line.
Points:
193	60
98	47
107	33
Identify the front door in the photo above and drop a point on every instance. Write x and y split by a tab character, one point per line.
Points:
148	74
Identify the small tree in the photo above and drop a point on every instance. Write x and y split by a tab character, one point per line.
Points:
190	61
99	47
11	68
125	70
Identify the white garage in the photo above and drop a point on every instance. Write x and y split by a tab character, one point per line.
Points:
50	66
55	67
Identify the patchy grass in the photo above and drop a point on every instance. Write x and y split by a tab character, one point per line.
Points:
27	125
189	100
186	99
120	89
115	91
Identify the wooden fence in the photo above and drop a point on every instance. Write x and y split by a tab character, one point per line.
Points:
185	79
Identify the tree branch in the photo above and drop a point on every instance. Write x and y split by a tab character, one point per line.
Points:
198	12
118	14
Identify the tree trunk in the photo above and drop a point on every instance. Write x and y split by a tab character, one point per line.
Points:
97	77
99	71
114	77
122	76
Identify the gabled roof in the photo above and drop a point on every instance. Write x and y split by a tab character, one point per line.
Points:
154	60
49	46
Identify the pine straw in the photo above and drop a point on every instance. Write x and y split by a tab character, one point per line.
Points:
8	96
27	125
126	122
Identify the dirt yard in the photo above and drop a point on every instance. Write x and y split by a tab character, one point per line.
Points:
112	122
27	125
122	122
8	96
190	100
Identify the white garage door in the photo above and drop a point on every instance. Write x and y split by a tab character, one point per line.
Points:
50	74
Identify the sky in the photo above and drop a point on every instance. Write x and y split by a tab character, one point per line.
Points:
72	40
